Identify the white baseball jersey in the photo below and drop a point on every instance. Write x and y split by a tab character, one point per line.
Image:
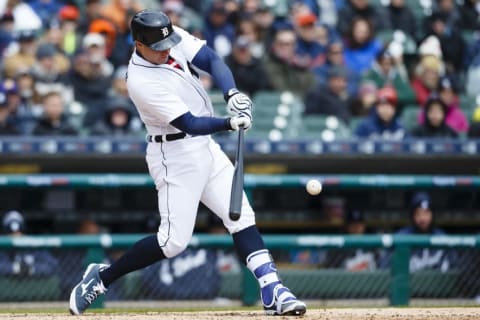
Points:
189	170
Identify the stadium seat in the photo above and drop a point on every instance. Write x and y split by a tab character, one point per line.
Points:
324	127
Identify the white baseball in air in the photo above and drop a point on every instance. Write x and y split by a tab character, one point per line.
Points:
314	187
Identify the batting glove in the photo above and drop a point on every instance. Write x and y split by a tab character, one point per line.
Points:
240	121
238	102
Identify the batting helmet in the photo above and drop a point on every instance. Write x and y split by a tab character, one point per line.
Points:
154	29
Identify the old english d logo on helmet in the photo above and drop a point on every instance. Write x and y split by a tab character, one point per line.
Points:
154	29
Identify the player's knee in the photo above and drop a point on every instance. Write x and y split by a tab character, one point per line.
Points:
174	247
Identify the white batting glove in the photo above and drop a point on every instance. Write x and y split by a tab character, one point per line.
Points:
240	121
238	102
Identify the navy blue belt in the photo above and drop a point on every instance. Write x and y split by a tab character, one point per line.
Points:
166	137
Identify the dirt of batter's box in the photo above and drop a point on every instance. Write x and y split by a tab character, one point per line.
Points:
313	314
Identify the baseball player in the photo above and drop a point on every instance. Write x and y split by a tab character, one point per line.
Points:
186	164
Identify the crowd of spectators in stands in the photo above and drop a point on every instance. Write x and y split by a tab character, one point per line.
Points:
63	62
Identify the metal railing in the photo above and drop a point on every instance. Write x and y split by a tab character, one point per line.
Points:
397	278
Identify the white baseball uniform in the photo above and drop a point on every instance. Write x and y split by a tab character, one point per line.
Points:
188	170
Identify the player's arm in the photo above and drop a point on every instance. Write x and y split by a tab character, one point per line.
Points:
193	125
209	61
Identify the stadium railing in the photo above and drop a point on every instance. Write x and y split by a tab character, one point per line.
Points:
396	281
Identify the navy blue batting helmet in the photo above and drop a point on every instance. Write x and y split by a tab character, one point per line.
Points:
154	29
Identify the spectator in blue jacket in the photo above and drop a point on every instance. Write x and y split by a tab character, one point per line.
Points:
218	31
422	222
382	123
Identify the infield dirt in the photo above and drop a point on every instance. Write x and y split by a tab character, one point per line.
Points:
315	314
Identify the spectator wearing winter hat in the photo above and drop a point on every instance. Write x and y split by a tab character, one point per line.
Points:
454	116
50	69
383	123
427	77
94	45
24	262
434	126
364	101
117	119
68	38
422	222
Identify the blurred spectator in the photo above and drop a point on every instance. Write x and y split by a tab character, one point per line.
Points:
422	222
24	57
117	119
383	123
46	9
248	71
313	39
434	125
218	31
119	12
25	18
427	77
28	110
283	68
365	99
182	16
68	39
6	31
474	131
362	8
24	262
6	126
247	28
332	99
90	13
454	117
402	18
470	15
361	46
353	259
90	87
95	47
385	72
335	58
49	70
264	19
447	9
118	46
54	120
451	42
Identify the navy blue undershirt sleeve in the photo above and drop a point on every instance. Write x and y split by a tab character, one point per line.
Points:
193	125
209	61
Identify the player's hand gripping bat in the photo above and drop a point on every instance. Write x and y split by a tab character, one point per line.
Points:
236	194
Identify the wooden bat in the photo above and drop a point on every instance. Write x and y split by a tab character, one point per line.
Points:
236	194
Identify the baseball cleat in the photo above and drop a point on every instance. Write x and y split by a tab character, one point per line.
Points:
88	289
280	301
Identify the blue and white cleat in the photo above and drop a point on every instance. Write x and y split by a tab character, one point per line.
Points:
88	289
281	302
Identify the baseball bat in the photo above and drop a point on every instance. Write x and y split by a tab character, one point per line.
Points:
236	193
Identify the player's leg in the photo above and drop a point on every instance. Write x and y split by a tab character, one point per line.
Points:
277	299
179	188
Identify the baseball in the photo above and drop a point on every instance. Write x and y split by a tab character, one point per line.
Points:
314	187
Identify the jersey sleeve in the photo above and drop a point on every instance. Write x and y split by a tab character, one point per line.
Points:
190	44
